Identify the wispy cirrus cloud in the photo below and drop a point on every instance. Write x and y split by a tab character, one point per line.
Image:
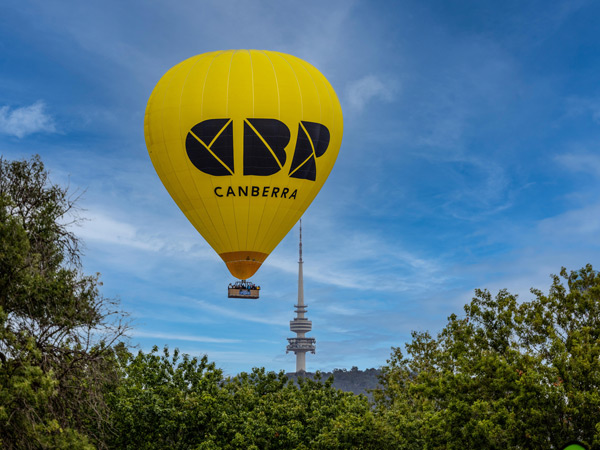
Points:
337	257
580	161
239	315
369	88
183	337
108	229
583	106
581	225
26	120
100	227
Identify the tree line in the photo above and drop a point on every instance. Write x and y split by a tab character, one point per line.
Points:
502	374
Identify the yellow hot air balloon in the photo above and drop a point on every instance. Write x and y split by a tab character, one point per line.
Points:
243	140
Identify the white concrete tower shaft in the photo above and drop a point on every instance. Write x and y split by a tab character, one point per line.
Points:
301	325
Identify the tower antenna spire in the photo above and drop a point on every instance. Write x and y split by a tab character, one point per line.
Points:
300	345
300	246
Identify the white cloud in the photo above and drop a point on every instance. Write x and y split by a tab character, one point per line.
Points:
26	120
581	225
583	107
338	257
362	91
105	229
580	162
342	310
105	31
271	319
181	337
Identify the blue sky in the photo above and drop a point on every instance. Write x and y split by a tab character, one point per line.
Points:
470	159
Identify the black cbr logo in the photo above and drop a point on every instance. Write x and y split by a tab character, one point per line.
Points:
209	145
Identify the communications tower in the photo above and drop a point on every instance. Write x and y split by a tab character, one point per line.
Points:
301	325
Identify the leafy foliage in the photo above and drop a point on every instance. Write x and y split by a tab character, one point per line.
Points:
164	401
507	375
168	401
56	330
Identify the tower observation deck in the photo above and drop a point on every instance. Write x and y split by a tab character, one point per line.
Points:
301	344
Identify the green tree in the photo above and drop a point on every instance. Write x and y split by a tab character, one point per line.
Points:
165	401
169	401
272	412
506	375
56	329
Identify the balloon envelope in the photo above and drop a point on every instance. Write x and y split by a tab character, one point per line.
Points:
243	140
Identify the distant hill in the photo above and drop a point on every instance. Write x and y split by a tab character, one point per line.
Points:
353	380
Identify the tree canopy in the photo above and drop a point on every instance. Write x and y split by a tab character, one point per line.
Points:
505	374
172	401
56	329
